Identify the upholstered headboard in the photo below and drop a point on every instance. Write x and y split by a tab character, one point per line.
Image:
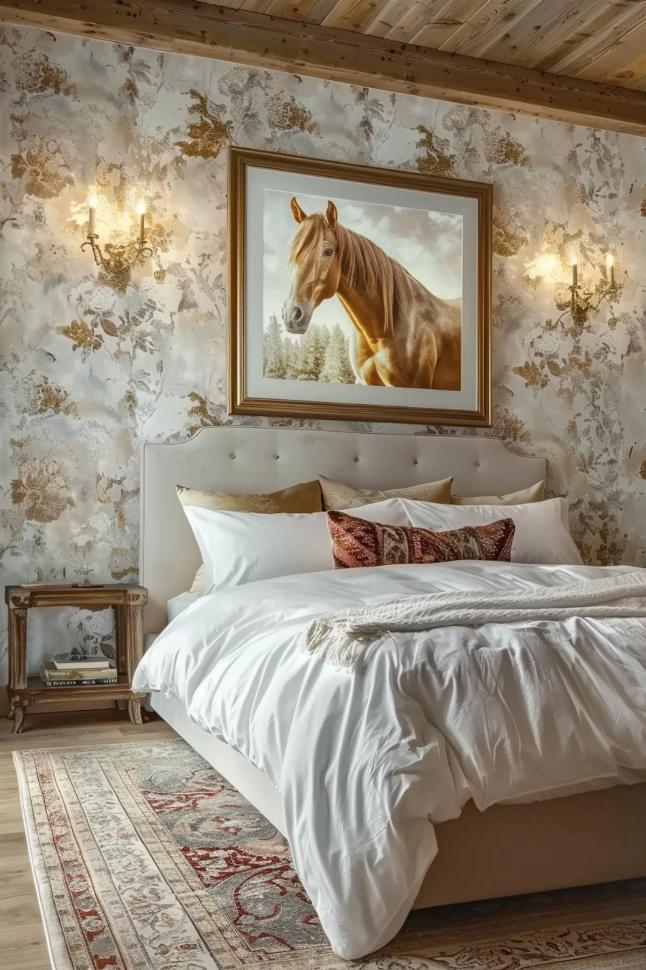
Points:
242	459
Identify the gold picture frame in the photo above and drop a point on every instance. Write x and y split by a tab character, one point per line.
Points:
243	399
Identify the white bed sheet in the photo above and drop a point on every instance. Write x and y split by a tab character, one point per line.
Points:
366	762
177	604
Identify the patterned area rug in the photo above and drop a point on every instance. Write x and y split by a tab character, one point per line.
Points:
147	859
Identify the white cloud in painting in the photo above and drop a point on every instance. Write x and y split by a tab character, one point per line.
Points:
427	244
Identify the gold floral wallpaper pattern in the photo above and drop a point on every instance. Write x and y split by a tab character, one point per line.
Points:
89	372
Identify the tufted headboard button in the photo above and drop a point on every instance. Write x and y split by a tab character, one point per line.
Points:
232	455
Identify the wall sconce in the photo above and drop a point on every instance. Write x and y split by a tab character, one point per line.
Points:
119	258
584	301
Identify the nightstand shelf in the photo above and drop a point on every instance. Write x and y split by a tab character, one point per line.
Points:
127	602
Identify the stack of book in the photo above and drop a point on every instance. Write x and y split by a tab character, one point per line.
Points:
65	670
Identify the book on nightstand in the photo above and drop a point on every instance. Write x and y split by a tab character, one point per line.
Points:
67	661
82	675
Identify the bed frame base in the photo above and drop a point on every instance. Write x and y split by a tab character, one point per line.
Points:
578	840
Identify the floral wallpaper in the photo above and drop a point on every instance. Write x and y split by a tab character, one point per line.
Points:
88	371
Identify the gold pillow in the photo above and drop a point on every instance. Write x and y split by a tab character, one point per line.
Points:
296	498
338	496
535	493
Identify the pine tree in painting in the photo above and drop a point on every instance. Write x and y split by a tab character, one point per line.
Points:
313	346
337	367
274	362
321	354
292	350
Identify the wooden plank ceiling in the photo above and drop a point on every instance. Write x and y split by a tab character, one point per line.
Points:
599	40
580	61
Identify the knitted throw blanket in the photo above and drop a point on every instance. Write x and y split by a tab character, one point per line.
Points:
342	638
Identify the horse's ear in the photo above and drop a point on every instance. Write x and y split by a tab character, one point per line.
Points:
331	215
297	212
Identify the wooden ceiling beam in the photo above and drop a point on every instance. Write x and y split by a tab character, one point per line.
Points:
208	30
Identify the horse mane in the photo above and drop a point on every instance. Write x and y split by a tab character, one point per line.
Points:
363	263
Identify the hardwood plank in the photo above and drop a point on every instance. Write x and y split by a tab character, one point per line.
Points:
386	17
614	20
259	6
475	26
451	16
419	16
533	37
189	26
498	22
570	41
635	72
320	10
295	9
350	14
612	61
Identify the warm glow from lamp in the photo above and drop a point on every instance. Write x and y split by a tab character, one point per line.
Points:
546	265
141	207
610	261
93	201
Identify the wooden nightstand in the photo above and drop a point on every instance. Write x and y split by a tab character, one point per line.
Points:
127	602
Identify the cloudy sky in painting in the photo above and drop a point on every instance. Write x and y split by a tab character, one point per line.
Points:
428	244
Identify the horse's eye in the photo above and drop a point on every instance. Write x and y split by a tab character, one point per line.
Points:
328	252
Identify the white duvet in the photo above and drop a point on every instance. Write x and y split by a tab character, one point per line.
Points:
368	760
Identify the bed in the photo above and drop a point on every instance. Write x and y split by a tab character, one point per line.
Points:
578	839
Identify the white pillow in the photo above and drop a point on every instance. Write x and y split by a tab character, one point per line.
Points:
241	547
542	531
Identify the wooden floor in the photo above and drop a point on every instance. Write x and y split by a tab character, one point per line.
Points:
22	942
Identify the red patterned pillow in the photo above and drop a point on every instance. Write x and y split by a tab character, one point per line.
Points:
356	542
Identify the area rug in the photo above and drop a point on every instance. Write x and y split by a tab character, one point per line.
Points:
144	858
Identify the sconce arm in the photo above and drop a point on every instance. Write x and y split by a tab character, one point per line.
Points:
91	241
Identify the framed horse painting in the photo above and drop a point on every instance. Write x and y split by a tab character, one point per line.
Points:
358	293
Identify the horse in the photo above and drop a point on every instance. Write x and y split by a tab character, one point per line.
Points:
403	335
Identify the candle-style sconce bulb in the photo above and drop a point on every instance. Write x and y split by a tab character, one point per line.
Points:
92	204
574	262
141	212
610	266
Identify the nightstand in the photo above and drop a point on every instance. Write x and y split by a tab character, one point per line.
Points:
127	602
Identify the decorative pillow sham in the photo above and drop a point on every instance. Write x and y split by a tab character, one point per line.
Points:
336	495
242	547
535	493
542	533
356	542
305	497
